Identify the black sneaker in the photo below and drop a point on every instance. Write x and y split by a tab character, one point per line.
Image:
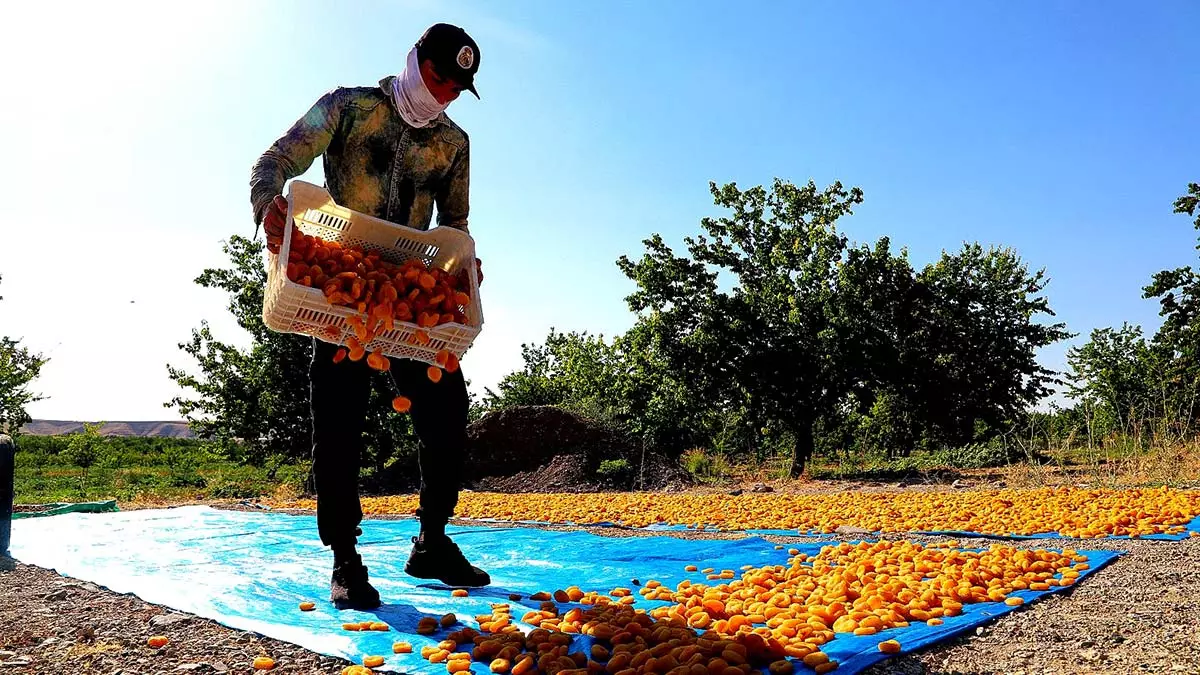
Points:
349	588
439	558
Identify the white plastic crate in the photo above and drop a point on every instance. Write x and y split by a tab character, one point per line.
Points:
289	307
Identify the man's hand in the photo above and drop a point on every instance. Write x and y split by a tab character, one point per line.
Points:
274	221
479	270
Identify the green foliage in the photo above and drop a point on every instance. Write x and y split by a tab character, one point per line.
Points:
706	467
614	467
814	332
183	464
973	353
622	382
19	367
165	468
84	449
769	346
253	403
773	335
1177	342
1112	379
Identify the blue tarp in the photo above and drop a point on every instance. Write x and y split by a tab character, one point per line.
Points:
251	570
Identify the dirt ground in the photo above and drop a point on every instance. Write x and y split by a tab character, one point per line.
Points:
1140	614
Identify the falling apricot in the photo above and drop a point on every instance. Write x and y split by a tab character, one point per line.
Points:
434	373
377	361
401	404
441	357
451	363
339	355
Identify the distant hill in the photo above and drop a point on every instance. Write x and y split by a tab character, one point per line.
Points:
60	427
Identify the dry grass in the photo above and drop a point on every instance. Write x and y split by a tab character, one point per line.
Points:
1174	465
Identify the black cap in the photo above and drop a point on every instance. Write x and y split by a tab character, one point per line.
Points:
453	53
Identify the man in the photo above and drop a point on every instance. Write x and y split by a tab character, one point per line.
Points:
391	152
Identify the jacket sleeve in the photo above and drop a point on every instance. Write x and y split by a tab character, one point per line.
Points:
292	154
453	198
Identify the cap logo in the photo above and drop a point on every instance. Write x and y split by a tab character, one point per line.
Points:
466	58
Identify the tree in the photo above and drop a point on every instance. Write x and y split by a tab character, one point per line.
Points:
254	402
769	346
84	450
973	342
1111	377
1178	338
19	367
619	381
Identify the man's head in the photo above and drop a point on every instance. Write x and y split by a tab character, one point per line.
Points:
449	59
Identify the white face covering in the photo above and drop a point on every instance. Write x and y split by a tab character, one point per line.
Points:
417	106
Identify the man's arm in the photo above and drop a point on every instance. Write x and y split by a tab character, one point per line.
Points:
292	154
453	198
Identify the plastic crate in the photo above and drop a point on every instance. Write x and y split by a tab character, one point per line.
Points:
289	307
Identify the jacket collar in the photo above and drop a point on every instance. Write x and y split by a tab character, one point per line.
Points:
385	85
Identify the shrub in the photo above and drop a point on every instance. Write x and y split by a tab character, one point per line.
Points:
613	467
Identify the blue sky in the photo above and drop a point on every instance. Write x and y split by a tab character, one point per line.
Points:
1062	129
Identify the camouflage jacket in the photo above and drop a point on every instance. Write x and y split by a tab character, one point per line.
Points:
375	162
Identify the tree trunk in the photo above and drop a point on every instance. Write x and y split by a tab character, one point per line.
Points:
802	433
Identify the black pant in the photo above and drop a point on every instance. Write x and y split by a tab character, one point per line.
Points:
340	395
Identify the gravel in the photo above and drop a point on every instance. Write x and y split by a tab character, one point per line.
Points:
1140	614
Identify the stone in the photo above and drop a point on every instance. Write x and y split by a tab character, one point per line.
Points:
160	620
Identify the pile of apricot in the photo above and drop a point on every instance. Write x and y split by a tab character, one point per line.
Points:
1071	512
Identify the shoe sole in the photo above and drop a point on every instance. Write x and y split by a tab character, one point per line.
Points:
437	578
